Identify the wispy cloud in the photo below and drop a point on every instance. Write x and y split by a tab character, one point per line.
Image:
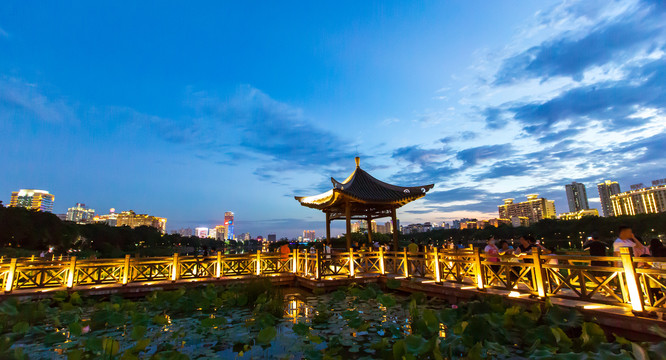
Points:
20	99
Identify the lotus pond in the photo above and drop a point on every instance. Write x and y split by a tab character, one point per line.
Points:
257	320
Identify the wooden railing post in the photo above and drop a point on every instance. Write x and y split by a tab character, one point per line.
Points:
317	263
126	270
11	274
294	261
405	263
478	266
175	271
305	261
438	274
635	294
538	273
351	262
382	270
258	269
71	272
218	267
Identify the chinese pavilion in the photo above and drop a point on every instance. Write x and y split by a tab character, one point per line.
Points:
363	197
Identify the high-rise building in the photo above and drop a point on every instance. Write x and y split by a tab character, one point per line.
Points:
577	197
535	209
201	232
80	214
309	235
229	223
220	232
606	190
132	219
648	200
356	227
271	238
33	199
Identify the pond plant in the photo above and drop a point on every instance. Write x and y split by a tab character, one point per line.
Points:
258	320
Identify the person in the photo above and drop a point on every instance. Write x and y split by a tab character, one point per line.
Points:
492	253
327	250
284	252
526	244
626	238
412	247
655	246
596	248
506	251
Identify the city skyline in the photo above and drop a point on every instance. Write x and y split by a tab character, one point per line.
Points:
195	110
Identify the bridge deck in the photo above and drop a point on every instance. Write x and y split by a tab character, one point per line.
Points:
627	293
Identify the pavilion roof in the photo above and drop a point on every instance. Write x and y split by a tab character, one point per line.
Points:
364	190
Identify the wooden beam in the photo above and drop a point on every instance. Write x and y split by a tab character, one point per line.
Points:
328	227
394	220
348	220
369	220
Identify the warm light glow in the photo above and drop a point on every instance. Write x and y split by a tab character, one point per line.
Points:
316	199
514	294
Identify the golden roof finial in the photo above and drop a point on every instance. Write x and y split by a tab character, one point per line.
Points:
358	161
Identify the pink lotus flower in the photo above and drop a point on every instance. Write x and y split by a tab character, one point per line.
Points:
86	329
454	306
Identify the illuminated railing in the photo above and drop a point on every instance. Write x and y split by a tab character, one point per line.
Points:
638	282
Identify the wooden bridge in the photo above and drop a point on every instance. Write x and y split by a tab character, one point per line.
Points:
627	286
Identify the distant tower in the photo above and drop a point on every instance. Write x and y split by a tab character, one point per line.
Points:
577	197
229	223
606	189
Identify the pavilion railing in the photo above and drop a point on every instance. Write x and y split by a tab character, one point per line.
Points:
638	282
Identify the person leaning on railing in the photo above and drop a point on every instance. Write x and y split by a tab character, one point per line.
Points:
492	253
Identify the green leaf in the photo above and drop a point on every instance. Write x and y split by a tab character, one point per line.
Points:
415	344
475	352
138	332
393	284
21	327
315	338
638	352
8	307
301	329
561	338
110	346
160	319
399	349
75	328
386	300
592	335
266	335
54	337
142	344
74	354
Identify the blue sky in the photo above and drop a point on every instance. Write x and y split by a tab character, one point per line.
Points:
190	110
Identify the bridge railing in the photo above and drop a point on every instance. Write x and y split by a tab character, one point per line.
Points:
638	282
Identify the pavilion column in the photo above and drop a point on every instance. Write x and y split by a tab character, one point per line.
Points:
394	220
348	221
370	230
328	227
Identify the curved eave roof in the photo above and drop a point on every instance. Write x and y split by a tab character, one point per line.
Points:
364	188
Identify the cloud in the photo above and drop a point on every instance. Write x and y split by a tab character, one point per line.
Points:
573	54
418	156
614	102
473	156
18	98
275	134
3	33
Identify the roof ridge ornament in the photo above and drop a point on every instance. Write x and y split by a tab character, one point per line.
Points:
358	161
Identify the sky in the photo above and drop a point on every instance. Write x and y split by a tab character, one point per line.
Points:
187	110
